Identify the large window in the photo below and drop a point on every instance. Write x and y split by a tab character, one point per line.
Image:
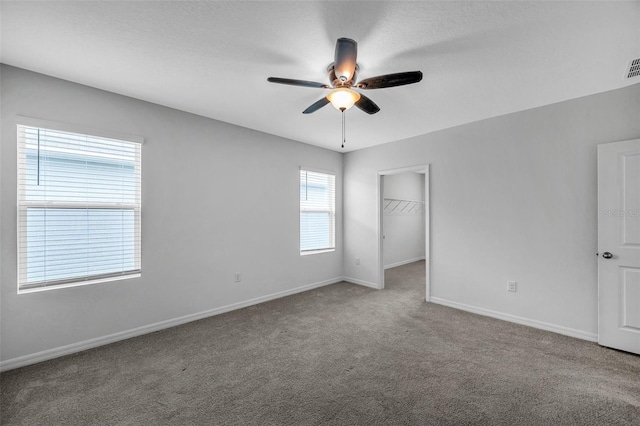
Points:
317	212
78	208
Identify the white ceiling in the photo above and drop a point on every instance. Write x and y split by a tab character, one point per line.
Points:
479	59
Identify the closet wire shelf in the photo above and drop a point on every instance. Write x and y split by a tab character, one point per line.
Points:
397	207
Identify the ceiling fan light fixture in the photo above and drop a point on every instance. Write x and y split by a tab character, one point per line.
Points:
342	98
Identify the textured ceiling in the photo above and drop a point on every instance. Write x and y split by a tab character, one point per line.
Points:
479	59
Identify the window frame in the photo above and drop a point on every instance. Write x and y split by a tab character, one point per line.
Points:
22	205
332	213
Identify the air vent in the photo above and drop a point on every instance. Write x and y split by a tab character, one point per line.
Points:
634	68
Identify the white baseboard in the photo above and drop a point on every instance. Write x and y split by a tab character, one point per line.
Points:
361	282
48	354
580	334
403	262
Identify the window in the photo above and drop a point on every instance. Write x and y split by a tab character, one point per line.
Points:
78	209
317	212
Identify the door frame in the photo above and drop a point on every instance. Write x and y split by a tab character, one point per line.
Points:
423	168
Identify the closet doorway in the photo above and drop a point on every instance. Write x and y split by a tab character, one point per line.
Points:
403	220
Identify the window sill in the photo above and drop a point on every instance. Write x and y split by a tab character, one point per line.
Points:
307	253
77	283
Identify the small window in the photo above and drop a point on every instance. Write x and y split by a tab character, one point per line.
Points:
317	212
78	209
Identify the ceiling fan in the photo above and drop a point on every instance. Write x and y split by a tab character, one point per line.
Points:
343	79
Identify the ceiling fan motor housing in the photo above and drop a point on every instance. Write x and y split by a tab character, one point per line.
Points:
336	81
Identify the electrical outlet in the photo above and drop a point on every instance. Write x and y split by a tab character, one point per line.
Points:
512	286
238	277
357	260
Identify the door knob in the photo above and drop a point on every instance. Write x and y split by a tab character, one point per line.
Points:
607	255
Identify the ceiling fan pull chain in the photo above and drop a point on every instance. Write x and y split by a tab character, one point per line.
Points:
343	130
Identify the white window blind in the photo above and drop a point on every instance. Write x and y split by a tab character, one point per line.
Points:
317	212
78	208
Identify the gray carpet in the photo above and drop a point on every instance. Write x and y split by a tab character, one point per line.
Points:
341	354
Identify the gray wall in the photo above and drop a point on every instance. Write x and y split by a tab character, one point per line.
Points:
216	199
512	198
404	233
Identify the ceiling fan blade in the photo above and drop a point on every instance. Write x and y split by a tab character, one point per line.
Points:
316	106
367	105
344	63
292	82
390	80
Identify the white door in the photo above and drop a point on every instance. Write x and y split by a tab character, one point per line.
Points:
619	245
